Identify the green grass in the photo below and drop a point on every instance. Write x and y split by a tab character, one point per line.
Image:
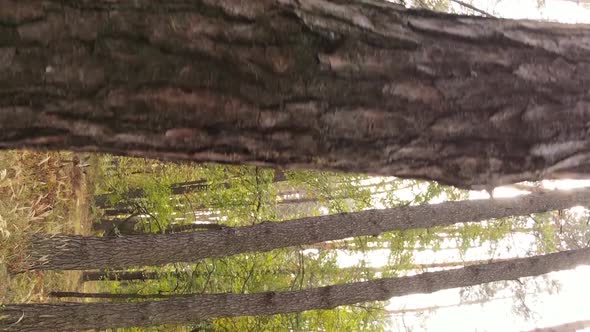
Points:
40	192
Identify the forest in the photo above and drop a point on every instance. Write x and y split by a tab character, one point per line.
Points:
137	234
291	165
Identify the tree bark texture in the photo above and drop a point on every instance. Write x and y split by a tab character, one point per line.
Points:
364	85
81	316
92	252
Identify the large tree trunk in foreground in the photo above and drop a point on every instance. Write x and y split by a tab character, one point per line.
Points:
92	252
363	86
80	316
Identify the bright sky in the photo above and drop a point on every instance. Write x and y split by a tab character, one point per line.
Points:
566	11
570	304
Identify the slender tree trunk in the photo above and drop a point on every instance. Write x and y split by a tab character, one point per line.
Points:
405	311
180	188
176	228
454	264
426	266
129	227
79	295
92	252
365	86
121	210
122	226
568	327
145	275
353	246
80	316
121	275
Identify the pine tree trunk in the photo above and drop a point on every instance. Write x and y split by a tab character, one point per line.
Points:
422	266
180	188
482	301
80	295
177	228
124	210
122	226
129	226
92	252
121	275
81	316
365	86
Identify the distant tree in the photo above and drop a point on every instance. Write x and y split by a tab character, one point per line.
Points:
122	275
103	200
567	327
132	226
405	311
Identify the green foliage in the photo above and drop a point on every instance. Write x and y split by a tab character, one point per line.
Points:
436	5
545	238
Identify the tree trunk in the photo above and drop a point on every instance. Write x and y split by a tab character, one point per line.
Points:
121	275
482	301
567	327
129	226
122	210
421	267
122	226
365	86
180	188
80	295
80	316
92	252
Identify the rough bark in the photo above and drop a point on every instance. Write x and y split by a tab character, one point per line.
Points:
81	316
364	86
92	252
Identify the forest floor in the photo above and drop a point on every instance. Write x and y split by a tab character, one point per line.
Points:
48	192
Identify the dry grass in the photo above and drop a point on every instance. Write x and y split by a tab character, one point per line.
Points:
40	192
